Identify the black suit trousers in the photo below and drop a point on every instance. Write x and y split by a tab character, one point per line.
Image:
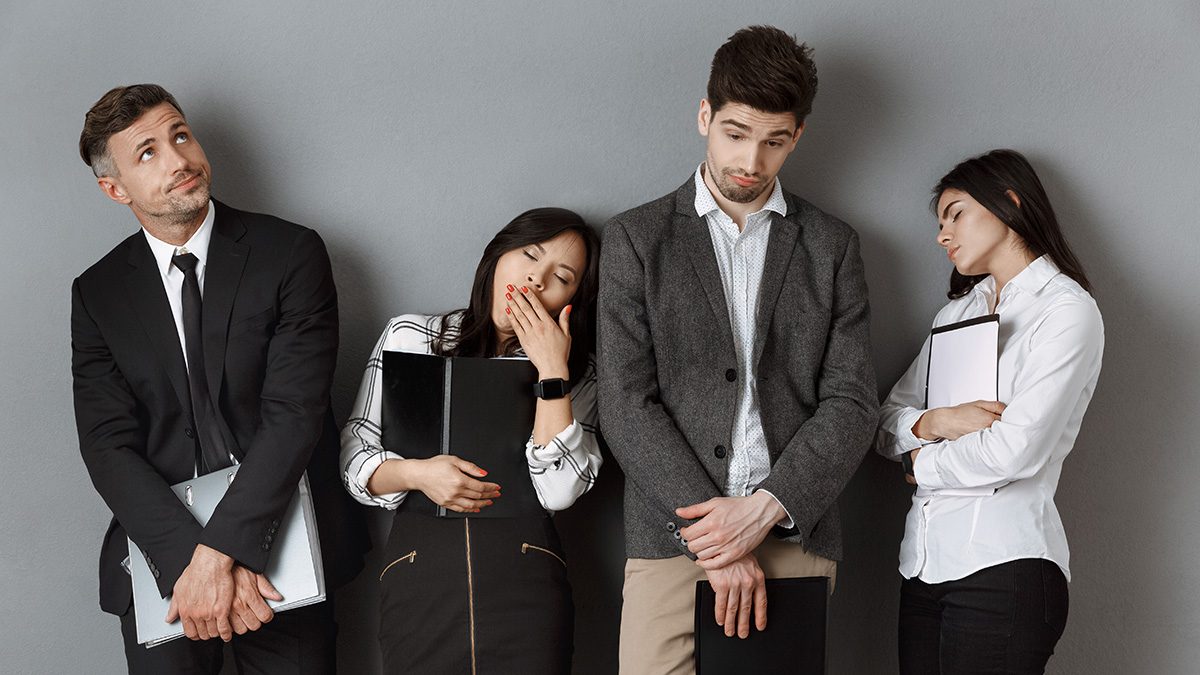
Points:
299	641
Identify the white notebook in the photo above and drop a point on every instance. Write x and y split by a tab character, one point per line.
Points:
295	567
963	367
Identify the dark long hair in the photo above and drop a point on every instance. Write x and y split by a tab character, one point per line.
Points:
988	178
476	335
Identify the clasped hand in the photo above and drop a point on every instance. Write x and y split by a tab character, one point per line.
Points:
216	598
729	529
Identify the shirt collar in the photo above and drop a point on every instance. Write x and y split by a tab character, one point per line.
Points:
705	203
1030	280
197	245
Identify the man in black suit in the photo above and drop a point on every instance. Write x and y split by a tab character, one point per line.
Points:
208	337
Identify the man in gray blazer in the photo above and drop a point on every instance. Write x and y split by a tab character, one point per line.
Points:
736	386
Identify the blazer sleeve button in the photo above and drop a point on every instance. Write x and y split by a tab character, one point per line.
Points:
731	374
266	546
188	432
719	451
670	526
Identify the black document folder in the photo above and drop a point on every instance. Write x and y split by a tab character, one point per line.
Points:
793	643
478	409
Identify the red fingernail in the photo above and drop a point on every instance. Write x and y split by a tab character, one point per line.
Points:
510	287
508	295
507	310
524	290
489	503
482	472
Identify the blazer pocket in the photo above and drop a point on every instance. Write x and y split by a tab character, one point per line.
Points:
252	322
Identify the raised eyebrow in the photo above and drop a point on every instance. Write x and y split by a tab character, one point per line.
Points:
149	141
180	124
946	211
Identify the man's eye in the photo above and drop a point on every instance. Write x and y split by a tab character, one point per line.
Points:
735	137
955	217
181	137
147	154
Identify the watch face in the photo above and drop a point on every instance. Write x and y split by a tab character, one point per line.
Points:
550	389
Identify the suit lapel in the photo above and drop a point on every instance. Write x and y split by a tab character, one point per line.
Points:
150	304
222	274
780	245
697	241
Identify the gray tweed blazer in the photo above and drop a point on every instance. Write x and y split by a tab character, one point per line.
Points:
668	371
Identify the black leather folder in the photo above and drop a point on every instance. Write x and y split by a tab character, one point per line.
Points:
793	643
478	409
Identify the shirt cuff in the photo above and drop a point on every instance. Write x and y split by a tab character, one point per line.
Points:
368	467
786	522
546	456
904	433
925	467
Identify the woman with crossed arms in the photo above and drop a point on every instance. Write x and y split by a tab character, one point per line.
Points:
984	556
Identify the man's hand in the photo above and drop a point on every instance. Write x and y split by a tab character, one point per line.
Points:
203	595
740	589
249	610
729	527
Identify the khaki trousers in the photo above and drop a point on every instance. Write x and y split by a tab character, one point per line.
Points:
658	613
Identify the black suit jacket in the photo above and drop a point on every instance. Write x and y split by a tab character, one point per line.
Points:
270	334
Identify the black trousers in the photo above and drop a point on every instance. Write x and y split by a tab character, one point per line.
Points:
302	641
1002	619
474	595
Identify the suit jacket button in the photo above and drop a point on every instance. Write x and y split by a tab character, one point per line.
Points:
274	524
677	535
266	546
670	526
155	574
268	538
719	451
731	374
188	432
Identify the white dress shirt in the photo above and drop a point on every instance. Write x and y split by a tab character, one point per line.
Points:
561	471
172	276
741	256
1051	343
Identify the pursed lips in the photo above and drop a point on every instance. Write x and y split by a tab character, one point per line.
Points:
187	183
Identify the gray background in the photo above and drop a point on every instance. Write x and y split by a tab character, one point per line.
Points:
407	133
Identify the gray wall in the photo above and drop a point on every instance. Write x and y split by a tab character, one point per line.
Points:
407	133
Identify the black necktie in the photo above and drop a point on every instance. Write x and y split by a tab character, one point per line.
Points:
213	455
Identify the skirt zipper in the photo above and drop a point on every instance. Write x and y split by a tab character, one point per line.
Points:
470	593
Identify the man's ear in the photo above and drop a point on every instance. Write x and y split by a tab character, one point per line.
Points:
704	119
799	130
113	189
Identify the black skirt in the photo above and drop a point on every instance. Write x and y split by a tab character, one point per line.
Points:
474	596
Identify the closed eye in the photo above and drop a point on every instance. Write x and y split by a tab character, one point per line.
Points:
529	255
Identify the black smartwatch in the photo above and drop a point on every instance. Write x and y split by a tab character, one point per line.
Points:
552	388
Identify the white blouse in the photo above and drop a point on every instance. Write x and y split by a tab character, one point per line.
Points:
561	471
1051	343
